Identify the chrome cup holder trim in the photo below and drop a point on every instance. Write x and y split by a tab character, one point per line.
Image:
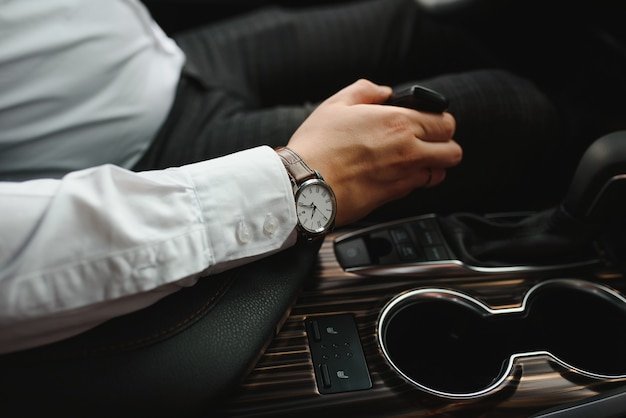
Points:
394	306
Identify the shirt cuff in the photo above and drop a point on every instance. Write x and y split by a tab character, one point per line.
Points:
247	206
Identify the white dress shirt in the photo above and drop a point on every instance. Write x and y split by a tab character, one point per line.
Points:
82	83
84	87
105	241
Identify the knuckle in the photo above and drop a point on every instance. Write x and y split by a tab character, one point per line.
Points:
364	83
399	121
449	125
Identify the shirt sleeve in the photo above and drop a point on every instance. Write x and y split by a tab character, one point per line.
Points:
106	241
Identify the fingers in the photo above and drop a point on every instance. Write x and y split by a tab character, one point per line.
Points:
425	125
429	177
361	92
439	154
434	127
433	176
437	157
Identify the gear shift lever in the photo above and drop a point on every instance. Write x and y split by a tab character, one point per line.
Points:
598	190
596	196
558	237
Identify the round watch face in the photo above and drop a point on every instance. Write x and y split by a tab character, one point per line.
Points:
315	206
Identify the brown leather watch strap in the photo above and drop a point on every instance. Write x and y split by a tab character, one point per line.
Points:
296	167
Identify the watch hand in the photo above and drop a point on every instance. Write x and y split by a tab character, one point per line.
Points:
321	213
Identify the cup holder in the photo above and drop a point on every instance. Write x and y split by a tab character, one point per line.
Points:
452	345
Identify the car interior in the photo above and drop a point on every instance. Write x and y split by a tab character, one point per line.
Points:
514	313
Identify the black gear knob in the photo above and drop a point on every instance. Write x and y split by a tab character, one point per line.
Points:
559	235
597	193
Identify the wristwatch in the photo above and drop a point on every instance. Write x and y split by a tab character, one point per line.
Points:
316	205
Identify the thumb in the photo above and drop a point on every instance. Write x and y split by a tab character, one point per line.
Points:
361	92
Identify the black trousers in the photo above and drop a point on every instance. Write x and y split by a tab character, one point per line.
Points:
253	80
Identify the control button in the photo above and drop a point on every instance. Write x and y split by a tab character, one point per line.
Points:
407	252
326	382
429	223
427	233
331	331
400	235
342	374
436	253
315	329
430	238
352	253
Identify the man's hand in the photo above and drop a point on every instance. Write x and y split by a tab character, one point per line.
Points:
371	154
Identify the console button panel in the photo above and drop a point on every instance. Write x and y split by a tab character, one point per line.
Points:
337	354
410	243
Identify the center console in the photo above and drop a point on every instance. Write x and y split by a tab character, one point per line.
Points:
510	315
